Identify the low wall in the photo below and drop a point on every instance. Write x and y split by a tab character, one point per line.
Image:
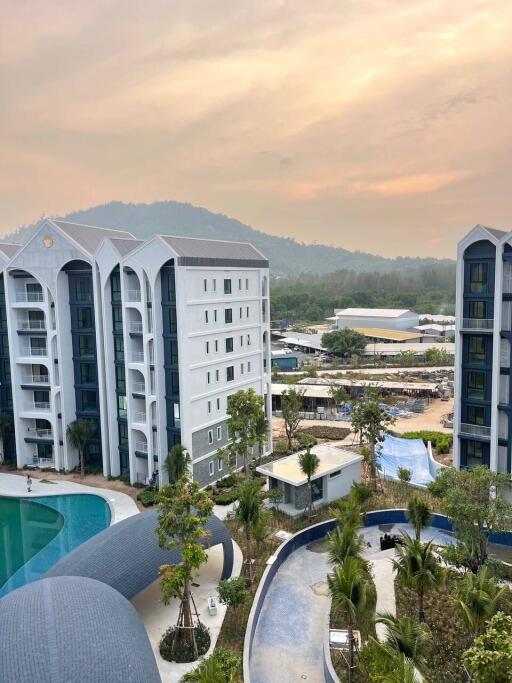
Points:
313	533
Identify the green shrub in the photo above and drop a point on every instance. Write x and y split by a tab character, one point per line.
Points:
227	482
147	498
361	491
174	648
281	447
225	498
440	441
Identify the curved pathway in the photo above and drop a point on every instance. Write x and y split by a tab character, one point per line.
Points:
288	642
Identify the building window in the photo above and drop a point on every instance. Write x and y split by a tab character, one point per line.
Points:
241	368
229	345
476	415
478	273
227	286
247	311
89	400
206	317
218	404
476	351
228	315
207	378
317	487
177	414
248	366
214	283
216	345
241	340
220	464
211	468
240	313
86	346
477	310
84	315
209	407
474	453
215	315
240	283
88	375
121	406
210	436
207	347
476	386
230	373
248	340
205	285
336	473
219	433
217	376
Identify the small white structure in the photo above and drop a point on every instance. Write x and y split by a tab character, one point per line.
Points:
336	472
386	318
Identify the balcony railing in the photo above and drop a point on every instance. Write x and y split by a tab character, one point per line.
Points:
133	295
135	326
33	351
137	356
477	323
42	462
35	379
25	296
141	447
32	325
37	405
139	416
41	433
475	430
139	388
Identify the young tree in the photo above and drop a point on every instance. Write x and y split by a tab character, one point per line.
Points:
308	463
478	599
370	421
407	637
471	498
222	666
337	394
248	513
292	407
176	462
182	517
345	343
348	585
418	514
404	475
490	658
417	567
347	512
78	434
247	424
233	592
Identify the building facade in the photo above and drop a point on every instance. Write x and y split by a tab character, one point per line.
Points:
385	318
483	398
147	340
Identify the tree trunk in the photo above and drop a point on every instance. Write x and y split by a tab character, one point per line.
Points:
188	622
246	466
250	575
310	505
373	474
350	651
82	463
421	608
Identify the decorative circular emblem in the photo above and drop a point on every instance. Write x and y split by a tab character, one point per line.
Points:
48	241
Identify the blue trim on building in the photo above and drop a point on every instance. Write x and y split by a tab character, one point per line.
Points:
120	370
171	367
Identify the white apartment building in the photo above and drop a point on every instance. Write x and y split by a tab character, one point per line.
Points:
146	339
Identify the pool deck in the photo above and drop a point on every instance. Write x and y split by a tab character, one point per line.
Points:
121	505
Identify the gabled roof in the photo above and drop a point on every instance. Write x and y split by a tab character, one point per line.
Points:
193	251
8	249
496	233
88	237
125	246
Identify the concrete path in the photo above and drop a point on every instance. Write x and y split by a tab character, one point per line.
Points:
121	505
288	642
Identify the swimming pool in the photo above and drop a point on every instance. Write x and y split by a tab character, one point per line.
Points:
36	533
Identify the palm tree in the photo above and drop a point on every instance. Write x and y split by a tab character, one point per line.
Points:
215	669
349	586
407	637
479	598
176	462
403	671
347	511
78	433
418	568
248	513
344	542
418	514
308	463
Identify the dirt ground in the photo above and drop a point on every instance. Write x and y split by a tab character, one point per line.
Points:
96	480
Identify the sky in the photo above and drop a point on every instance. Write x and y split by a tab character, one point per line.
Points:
376	125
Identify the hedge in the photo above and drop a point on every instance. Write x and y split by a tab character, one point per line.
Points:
440	441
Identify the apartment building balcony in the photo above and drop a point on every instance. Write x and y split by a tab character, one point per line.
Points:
474	430
133	296
141	447
32	408
135	327
22	296
41	462
477	324
33	351
139	388
32	326
137	357
38	380
39	435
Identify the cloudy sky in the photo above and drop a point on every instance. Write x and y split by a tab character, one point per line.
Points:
378	125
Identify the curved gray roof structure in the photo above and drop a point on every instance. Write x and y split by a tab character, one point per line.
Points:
73	630
127	557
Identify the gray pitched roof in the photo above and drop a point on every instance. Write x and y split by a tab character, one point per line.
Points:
124	246
127	557
497	233
202	252
9	249
73	630
89	237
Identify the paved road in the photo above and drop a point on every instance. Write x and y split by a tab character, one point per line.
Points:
288	641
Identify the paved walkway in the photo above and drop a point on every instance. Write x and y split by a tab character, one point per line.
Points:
121	505
288	642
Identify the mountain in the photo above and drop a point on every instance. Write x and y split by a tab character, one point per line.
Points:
286	255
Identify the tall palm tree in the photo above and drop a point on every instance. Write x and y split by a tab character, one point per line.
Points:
248	513
418	514
407	637
418	568
348	585
78	434
478	599
344	542
347	511
309	463
176	462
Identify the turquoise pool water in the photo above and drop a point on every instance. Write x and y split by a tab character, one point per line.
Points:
36	533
